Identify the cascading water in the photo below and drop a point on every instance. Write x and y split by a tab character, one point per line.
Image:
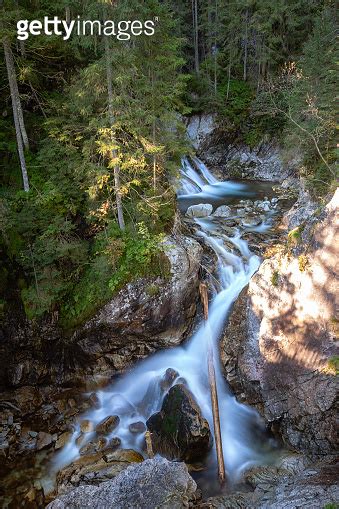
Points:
138	394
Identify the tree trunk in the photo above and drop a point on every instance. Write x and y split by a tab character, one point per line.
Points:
21	135
116	170
215	48
154	162
246	46
229	77
195	35
15	91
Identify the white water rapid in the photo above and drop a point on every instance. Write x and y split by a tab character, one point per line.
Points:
138	394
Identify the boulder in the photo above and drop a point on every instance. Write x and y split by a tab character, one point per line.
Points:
200	210
153	484
137	427
179	431
107	425
95	468
223	211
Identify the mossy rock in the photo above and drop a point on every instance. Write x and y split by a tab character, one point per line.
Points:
179	431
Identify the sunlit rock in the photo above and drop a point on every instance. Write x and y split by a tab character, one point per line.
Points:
153	484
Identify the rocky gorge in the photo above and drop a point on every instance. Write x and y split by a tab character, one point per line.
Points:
275	352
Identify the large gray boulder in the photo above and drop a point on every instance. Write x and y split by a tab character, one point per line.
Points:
179	431
200	210
153	484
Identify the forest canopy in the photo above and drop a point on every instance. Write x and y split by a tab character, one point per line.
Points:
92	131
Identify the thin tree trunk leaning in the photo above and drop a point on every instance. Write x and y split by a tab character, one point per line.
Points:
21	135
15	91
116	169
214	391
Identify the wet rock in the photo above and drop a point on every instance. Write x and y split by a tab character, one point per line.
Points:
200	210
44	440
249	221
63	439
168	378
241	212
101	443
88	448
179	430
264	205
95	468
223	211
107	425
153	484
137	427
86	426
94	400
115	442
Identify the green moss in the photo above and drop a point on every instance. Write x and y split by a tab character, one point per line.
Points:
118	258
152	290
295	235
275	278
333	364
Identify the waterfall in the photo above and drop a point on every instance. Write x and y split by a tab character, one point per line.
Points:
138	394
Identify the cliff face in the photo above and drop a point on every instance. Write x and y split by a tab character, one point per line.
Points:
281	335
146	315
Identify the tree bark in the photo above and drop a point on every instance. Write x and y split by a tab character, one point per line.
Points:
213	389
195	35
21	135
116	169
215	48
15	91
246	46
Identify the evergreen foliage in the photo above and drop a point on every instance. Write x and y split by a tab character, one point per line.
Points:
267	68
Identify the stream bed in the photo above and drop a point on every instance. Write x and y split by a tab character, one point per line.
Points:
138	395
232	238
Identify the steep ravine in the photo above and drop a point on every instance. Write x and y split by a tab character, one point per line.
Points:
151	315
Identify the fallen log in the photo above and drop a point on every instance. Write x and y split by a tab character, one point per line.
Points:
213	389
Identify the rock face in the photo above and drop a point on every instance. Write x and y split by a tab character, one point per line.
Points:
234	159
199	127
143	317
153	484
280	338
179	431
